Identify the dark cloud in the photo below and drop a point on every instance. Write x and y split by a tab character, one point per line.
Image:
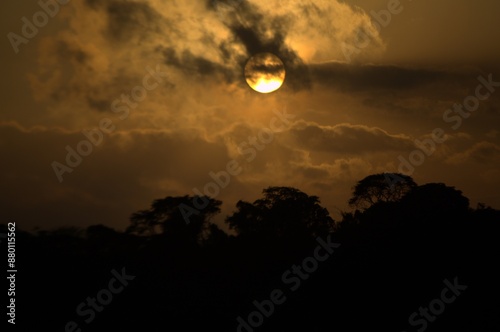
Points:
395	107
94	4
352	77
101	105
68	51
315	173
129	18
296	70
266	63
191	64
262	32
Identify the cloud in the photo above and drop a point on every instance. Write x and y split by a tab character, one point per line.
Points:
198	66
339	170
482	152
107	44
347	139
370	77
492	134
125	171
130	168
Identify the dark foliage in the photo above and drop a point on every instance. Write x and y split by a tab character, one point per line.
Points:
394	255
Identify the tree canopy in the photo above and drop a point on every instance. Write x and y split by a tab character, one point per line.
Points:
168	216
283	212
382	187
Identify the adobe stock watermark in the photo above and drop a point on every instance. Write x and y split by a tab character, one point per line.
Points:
92	305
95	136
455	116
449	294
247	149
293	277
29	29
381	18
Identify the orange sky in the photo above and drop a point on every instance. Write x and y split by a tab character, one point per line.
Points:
351	113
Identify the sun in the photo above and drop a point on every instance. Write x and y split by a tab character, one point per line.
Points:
265	72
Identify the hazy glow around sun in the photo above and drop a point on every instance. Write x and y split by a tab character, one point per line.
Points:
265	72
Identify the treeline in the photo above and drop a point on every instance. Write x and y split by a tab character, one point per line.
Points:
396	246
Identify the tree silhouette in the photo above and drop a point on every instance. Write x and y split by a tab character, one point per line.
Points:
284	212
100	232
382	187
404	245
435	201
168	216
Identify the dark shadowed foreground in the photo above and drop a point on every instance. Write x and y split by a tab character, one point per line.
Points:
408	258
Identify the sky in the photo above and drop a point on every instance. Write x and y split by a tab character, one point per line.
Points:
153	95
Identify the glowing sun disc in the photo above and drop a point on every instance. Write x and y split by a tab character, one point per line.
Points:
265	72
